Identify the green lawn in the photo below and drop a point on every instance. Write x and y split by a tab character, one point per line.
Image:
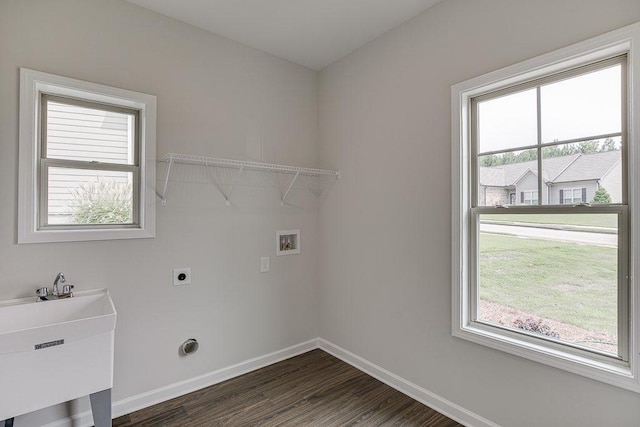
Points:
569	282
590	220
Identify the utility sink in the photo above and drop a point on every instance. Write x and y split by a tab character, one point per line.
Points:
54	351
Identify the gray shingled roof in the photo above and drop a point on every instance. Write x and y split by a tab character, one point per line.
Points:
576	167
590	166
492	177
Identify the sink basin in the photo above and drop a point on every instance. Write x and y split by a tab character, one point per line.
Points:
25	323
54	351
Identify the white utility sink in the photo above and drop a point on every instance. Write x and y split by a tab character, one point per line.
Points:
54	351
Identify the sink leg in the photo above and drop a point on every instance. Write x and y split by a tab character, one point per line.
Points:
8	423
101	408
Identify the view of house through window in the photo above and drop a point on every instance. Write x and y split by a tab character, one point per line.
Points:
549	155
89	154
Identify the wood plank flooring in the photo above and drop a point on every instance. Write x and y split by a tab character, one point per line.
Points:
313	389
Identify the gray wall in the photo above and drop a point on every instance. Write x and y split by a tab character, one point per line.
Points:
385	249
215	98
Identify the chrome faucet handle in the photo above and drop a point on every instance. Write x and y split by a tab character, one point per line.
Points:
66	289
42	294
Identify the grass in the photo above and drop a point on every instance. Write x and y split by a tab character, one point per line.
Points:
569	282
589	220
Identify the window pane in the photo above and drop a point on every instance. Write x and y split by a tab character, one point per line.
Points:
585	105
588	171
507	178
507	122
552	275
84	196
529	197
89	134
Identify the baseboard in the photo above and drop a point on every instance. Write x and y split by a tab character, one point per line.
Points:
412	390
144	400
162	394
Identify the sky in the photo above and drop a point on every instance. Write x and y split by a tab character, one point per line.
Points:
582	106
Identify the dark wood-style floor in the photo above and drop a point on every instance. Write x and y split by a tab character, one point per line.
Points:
313	389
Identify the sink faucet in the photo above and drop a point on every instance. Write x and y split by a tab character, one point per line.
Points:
59	279
43	293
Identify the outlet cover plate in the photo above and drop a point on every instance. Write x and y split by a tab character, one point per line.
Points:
264	264
181	276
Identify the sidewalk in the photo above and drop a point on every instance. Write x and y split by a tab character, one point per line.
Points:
563	227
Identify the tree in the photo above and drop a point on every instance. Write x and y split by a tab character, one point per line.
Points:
602	196
102	202
584	147
589	147
609	145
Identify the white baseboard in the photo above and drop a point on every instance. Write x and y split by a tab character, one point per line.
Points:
162	394
432	400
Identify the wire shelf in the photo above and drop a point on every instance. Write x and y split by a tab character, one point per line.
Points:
241	165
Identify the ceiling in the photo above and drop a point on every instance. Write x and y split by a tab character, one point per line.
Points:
313	33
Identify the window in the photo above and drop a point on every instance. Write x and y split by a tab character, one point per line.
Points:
529	197
89	164
548	279
87	156
571	196
558	295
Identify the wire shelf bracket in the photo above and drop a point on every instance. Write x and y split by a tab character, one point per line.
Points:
227	198
241	165
166	183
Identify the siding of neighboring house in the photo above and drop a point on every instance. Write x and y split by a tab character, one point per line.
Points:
591	186
612	182
587	171
84	134
560	173
529	183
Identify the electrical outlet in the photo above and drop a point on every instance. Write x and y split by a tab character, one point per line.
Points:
181	276
264	264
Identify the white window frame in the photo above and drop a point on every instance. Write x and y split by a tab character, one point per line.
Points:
531	198
624	374
47	163
34	84
573	190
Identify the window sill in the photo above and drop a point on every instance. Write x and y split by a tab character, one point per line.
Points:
600	368
52	236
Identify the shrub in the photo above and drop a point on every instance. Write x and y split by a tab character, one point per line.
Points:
601	196
533	325
102	202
